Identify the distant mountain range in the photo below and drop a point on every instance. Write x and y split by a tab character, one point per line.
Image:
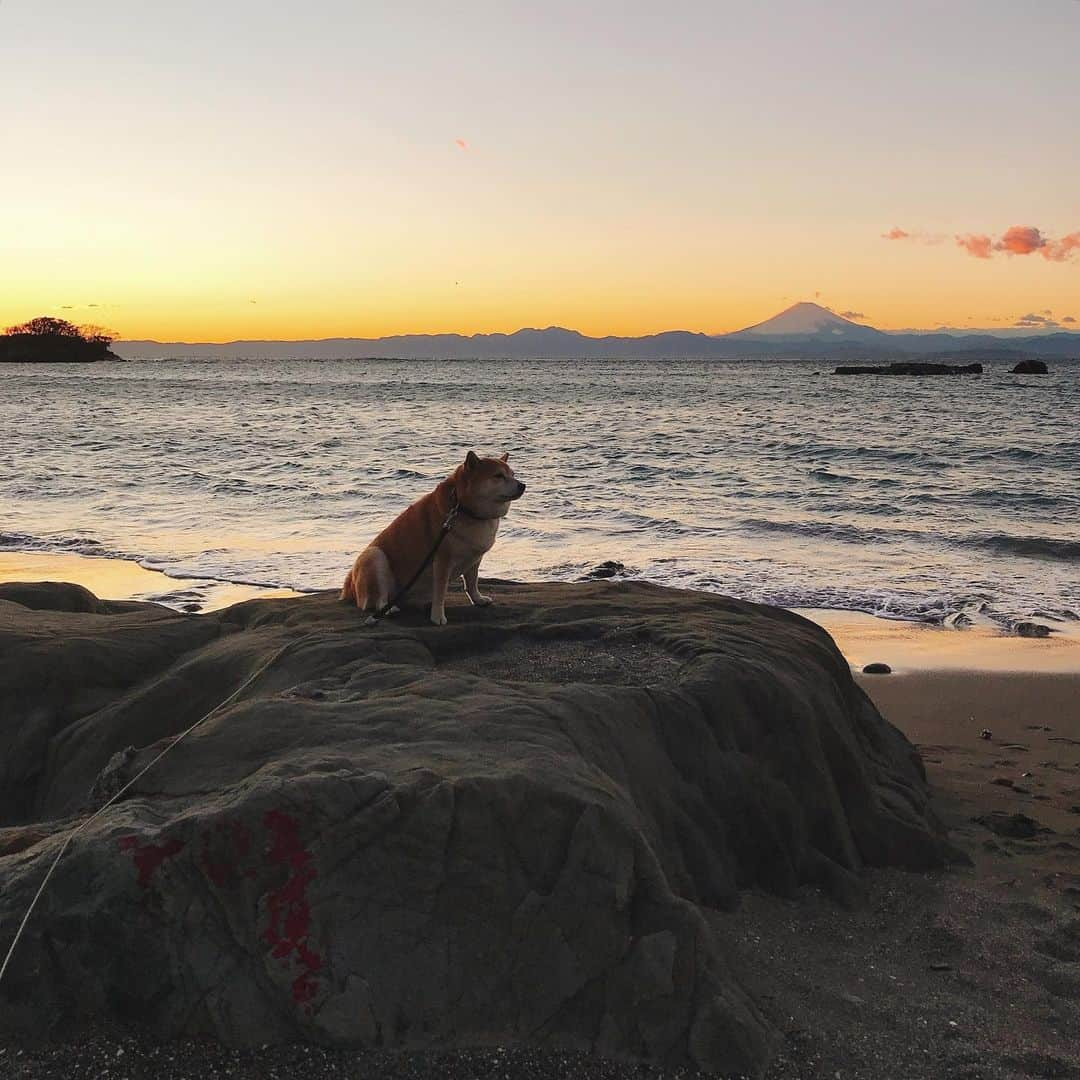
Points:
803	331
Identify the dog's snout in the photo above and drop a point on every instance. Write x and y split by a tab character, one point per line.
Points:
521	488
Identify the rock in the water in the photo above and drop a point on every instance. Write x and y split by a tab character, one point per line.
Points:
958	620
401	835
607	569
1031	629
877	668
1030	367
912	368
52	348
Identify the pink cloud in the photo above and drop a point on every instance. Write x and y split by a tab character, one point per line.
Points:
1060	250
1021	240
896	233
461	144
980	246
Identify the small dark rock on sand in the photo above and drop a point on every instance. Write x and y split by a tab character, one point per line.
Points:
1031	629
1030	367
877	668
1016	826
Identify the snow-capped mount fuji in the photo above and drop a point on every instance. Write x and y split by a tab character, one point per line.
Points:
806	319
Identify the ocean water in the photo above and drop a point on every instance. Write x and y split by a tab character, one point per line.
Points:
776	482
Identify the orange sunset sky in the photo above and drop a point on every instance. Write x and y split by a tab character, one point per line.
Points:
212	171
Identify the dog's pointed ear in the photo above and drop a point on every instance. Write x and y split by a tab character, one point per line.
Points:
505	458
471	460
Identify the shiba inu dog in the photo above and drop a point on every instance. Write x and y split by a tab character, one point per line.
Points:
478	493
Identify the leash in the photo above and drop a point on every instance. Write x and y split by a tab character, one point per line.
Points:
448	523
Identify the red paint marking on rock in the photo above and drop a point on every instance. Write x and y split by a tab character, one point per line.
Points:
288	906
304	988
148	857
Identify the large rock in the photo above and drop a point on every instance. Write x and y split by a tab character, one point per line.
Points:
913	368
511	829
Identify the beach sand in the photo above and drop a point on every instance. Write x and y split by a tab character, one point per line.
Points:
973	972
970	973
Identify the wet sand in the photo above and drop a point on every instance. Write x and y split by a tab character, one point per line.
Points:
912	647
969	973
120	579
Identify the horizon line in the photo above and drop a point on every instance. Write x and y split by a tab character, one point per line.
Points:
951	331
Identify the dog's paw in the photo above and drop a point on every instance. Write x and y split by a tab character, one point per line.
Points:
438	619
480	600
